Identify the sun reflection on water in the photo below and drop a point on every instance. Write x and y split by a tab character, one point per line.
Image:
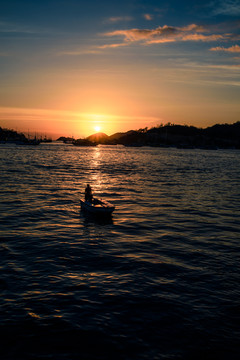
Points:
95	178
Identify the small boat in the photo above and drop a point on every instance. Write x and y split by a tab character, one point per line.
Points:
97	206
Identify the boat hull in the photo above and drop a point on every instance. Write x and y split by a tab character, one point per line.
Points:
97	207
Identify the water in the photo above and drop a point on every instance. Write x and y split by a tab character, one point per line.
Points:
158	280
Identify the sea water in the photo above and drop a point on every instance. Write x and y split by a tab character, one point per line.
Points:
157	280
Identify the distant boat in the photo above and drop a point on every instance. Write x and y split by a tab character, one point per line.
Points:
97	206
33	142
27	142
45	140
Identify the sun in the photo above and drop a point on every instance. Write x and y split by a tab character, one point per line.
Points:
97	128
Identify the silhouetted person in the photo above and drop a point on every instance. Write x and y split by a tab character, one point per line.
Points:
88	193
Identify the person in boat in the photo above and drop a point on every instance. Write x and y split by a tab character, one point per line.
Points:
88	193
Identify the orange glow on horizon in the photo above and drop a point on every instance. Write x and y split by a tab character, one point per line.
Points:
75	124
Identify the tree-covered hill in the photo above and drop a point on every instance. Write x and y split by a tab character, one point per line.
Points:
182	136
7	135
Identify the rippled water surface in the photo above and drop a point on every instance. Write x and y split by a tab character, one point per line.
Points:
158	280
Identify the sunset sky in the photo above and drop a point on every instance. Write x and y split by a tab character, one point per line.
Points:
72	67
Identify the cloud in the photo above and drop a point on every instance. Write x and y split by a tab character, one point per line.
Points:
226	7
7	27
232	49
194	27
112	45
144	34
9	113
78	52
38	115
234	67
116	19
148	17
201	37
165	34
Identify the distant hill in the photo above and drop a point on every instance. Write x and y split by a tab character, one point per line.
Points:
7	135
181	136
99	138
120	136
12	136
116	136
224	136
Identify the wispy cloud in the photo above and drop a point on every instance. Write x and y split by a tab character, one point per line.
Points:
38	115
117	19
148	17
7	27
10	113
78	52
225	67
112	46
232	49
165	34
226	7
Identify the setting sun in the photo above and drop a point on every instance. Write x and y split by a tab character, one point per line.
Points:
97	128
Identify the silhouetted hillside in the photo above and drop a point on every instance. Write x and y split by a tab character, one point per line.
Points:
7	135
113	139
99	138
131	138
230	131
12	136
181	136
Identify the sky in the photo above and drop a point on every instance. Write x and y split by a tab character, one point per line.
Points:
72	67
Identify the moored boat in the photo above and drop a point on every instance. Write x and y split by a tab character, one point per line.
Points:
97	206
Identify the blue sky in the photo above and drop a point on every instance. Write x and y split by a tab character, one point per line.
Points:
68	65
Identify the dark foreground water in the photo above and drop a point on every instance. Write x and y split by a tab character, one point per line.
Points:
160	280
